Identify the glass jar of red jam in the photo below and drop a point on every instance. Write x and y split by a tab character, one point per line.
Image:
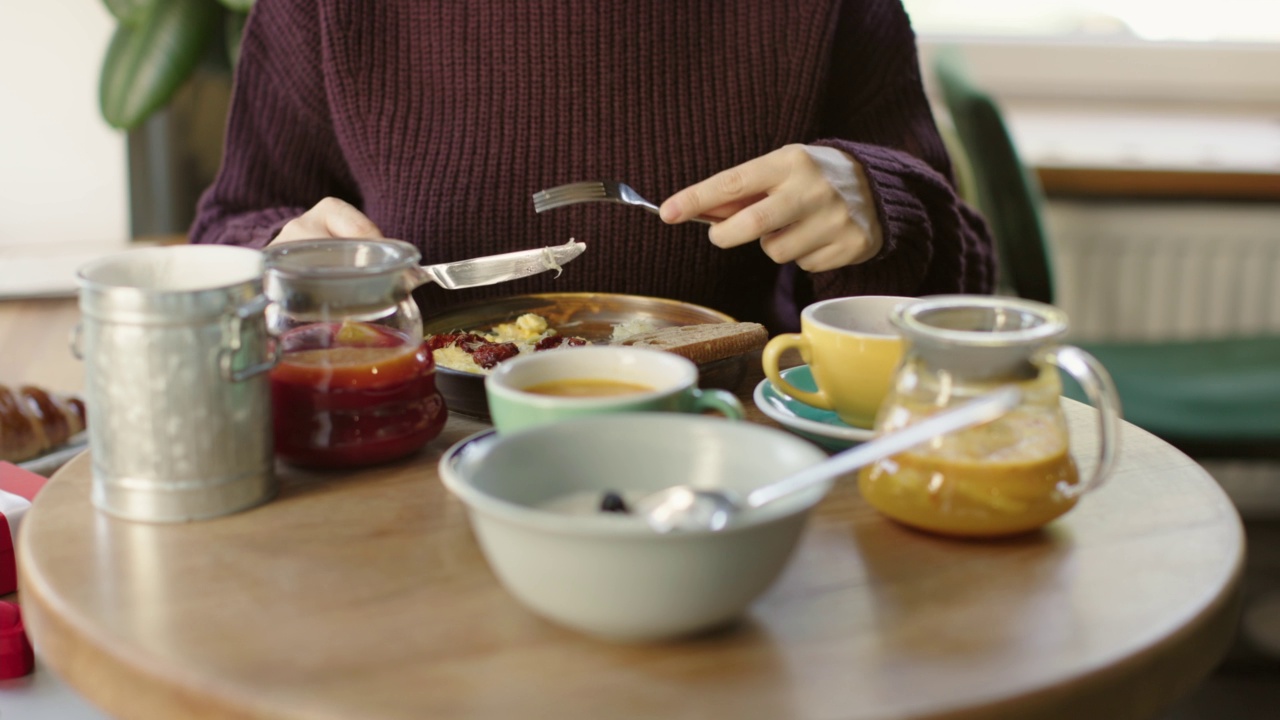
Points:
355	384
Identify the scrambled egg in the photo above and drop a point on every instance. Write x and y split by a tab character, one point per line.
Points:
525	331
634	326
455	358
528	328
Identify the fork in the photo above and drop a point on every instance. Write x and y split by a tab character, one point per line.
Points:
594	191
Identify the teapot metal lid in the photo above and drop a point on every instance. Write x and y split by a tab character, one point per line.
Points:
309	276
979	336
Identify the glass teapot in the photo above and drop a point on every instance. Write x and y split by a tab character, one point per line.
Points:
355	384
1014	474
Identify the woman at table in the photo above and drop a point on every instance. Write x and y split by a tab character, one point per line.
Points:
803	127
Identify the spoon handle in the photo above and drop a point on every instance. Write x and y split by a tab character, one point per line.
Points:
984	408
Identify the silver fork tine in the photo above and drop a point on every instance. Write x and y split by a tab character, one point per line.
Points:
570	194
593	191
591	186
576	191
544	205
572	197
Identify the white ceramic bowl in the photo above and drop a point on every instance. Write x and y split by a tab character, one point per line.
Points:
610	575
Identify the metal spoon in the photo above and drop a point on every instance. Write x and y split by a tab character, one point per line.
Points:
683	507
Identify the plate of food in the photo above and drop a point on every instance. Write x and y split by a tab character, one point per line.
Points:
468	341
40	430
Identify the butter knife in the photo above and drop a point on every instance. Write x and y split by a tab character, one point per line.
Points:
492	269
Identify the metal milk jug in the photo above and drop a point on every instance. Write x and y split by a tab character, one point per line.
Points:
176	351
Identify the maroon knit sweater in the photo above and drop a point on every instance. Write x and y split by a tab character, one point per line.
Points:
440	118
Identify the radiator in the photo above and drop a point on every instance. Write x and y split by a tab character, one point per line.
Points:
1166	270
1175	270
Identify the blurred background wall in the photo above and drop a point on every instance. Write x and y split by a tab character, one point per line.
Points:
63	176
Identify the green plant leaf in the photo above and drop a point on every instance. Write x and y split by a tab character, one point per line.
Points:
234	32
129	12
240	6
145	65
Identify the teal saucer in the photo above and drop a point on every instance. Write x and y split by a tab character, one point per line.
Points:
823	427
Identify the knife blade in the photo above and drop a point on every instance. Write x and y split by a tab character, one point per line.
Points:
491	269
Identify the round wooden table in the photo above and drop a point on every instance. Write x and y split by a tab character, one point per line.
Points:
365	596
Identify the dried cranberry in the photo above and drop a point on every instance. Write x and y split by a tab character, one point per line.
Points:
490	354
443	340
470	340
461	339
555	341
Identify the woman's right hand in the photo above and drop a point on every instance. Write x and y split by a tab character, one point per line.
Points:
328	218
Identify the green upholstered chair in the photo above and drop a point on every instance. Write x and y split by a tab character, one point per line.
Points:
1211	397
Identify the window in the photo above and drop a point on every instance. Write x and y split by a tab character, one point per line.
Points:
1087	51
1223	21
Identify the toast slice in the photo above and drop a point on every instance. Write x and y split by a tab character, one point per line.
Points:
703	343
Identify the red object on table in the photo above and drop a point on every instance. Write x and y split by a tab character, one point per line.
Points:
14	479
8	559
16	656
18	488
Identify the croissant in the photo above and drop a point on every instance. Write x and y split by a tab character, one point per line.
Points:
33	421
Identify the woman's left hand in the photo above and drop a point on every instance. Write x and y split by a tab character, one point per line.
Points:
805	203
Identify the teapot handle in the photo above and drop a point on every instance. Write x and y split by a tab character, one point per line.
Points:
1098	386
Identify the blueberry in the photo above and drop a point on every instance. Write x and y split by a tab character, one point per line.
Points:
612	502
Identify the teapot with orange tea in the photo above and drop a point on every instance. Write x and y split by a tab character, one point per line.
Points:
1009	476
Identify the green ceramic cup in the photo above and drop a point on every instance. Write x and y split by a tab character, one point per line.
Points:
641	379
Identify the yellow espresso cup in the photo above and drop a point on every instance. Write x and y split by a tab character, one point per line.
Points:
852	350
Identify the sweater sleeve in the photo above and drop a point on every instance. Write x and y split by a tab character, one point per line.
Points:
280	154
875	109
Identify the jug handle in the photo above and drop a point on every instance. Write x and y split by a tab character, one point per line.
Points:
75	340
1101	390
232	330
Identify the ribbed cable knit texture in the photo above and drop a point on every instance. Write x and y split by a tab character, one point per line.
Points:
440	118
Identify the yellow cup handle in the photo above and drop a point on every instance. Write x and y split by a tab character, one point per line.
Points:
769	360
